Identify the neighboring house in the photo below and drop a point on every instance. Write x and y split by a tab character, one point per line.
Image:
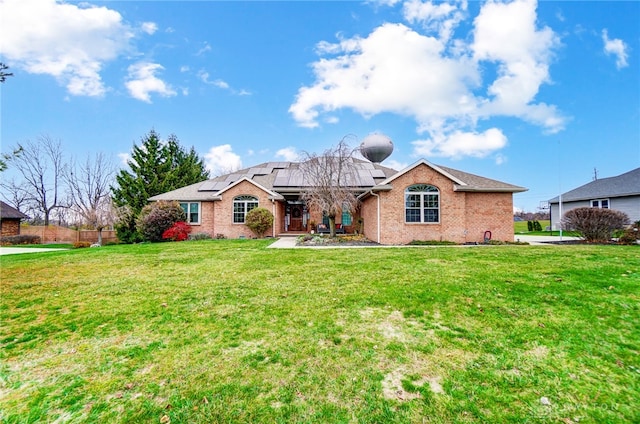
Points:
621	193
10	220
421	202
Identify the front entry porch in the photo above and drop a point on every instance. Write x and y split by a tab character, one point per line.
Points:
296	217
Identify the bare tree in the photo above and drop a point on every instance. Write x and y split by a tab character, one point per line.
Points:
16	194
3	74
90	194
41	165
329	181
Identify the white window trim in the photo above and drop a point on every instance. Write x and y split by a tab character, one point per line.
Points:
422	195
188	213
600	203
233	208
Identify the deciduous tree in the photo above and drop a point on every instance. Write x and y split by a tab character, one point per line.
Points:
90	194
328	181
40	163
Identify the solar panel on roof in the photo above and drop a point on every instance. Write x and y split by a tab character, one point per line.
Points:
364	178
206	186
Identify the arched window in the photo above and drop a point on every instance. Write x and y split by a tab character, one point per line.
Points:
422	203
242	205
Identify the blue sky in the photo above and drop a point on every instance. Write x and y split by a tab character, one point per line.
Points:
537	94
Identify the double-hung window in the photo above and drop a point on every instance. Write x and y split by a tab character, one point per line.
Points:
422	204
600	203
241	206
192	211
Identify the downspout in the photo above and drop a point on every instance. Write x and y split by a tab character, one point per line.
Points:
377	215
275	221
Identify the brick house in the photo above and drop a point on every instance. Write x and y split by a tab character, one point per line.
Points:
10	220
422	202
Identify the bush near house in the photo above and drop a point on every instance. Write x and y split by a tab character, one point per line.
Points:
631	235
595	224
158	217
19	239
178	232
259	220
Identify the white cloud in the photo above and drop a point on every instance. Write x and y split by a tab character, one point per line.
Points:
394	164
440	17
219	83
436	79
67	41
204	49
221	159
616	47
142	81
458	144
149	27
506	34
288	153
124	158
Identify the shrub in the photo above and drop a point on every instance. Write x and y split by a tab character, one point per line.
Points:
125	225
200	236
259	220
537	226
178	232
158	217
631	235
19	239
431	243
594	224
81	244
529	226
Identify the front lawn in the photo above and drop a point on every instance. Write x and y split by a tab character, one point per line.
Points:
223	331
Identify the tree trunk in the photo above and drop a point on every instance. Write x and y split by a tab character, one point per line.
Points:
332	226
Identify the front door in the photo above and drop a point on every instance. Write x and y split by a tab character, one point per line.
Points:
297	213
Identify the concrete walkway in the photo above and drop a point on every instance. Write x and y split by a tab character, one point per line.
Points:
542	239
18	250
290	242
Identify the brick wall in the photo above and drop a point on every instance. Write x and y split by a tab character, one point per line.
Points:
223	211
9	227
464	217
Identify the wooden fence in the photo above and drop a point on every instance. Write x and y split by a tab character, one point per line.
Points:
55	234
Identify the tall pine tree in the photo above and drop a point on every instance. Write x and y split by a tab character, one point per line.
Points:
155	167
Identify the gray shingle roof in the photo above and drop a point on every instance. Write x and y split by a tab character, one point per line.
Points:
274	176
7	211
627	184
474	182
287	177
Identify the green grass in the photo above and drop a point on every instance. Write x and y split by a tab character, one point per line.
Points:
520	227
46	246
226	331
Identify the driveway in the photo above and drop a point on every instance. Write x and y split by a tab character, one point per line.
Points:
18	250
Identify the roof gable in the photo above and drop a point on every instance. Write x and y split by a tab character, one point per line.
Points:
271	194
417	164
10	212
462	181
627	184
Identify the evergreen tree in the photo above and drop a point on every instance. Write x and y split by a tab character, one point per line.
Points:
155	167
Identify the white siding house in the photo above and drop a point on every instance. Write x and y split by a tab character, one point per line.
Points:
620	193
